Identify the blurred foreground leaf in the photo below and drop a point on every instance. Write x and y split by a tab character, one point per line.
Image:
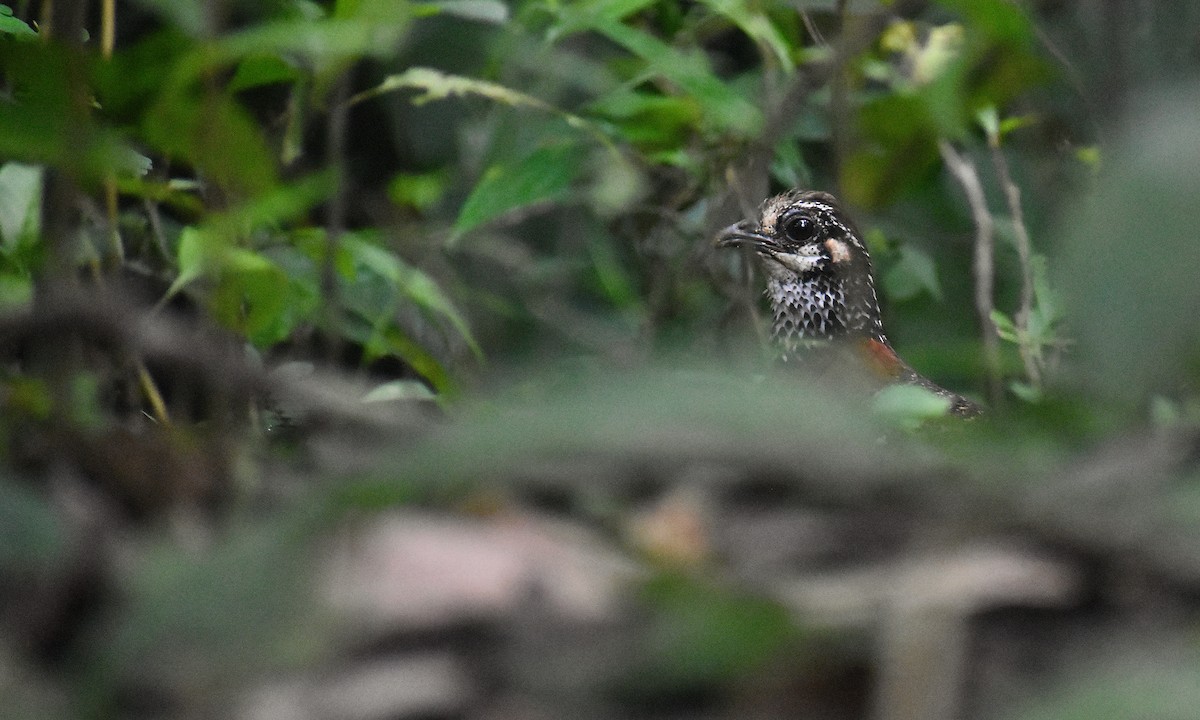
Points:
1129	256
651	418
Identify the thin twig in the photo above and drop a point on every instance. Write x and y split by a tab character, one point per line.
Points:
813	31
985	231
1012	194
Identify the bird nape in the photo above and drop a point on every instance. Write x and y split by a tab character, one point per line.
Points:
823	301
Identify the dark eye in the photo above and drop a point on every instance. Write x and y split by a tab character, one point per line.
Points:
799	227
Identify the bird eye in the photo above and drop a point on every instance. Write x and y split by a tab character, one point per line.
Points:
799	227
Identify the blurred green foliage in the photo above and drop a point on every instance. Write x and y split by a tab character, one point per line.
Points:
419	192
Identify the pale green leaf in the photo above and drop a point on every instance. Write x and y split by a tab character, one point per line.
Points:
437	85
909	405
20	201
192	258
1005	327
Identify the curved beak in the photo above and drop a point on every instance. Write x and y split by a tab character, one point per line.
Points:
744	234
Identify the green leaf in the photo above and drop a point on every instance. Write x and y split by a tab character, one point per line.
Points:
437	85
913	274
788	166
407	282
258	70
15	291
251	297
908	406
755	23
1025	391
902	151
399	390
989	119
213	133
487	11
1011	124
999	20
1089	155
590	14
10	25
724	110
20	202
649	120
543	176
392	340
418	191
191	256
1005	328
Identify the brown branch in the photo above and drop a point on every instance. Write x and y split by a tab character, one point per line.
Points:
967	176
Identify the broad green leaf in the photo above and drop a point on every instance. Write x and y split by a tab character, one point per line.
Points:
614	280
543	176
649	120
214	134
251	295
901	152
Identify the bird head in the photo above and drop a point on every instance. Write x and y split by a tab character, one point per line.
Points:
800	235
818	269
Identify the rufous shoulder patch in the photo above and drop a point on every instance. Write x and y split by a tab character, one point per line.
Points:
882	358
